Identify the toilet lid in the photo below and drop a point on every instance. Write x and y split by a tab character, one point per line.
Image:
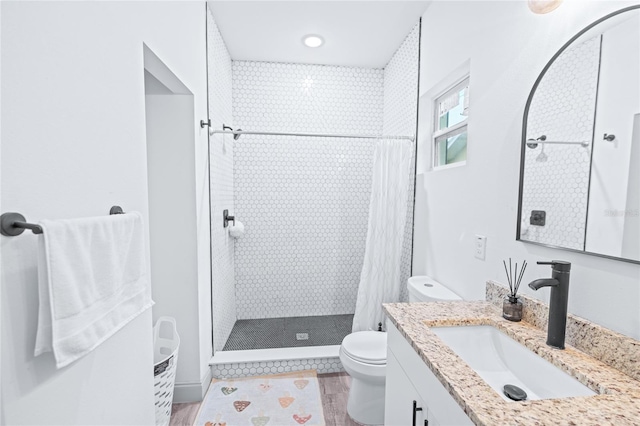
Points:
369	347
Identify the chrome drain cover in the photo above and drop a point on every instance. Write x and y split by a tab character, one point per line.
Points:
302	336
514	392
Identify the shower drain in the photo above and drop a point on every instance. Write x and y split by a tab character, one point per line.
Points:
302	336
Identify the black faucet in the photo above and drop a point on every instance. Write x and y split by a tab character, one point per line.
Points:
559	283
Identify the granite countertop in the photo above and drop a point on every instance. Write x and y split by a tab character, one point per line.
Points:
617	402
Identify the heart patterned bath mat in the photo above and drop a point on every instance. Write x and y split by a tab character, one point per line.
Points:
276	400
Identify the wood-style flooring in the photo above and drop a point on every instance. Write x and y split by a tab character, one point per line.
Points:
334	388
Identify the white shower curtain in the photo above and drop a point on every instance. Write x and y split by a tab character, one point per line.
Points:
380	277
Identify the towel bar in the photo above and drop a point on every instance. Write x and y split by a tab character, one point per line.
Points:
226	218
12	224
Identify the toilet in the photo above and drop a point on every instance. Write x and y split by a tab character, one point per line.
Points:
425	289
364	356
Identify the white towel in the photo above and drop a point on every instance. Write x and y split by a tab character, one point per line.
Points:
92	279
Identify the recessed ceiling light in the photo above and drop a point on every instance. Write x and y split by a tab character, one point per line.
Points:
312	40
540	7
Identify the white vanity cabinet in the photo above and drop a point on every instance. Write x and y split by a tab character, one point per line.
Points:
408	379
402	399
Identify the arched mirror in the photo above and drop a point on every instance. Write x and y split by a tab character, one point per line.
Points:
580	162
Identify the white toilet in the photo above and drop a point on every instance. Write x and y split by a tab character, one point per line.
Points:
364	357
425	289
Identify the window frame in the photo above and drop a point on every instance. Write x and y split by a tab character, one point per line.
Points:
458	84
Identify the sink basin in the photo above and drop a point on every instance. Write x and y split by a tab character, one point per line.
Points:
501	361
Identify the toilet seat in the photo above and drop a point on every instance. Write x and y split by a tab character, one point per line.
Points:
367	347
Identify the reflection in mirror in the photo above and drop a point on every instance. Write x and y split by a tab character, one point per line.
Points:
580	177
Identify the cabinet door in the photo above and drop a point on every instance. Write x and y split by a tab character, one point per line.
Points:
432	420
441	404
400	396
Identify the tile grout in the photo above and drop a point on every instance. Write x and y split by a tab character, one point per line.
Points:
278	332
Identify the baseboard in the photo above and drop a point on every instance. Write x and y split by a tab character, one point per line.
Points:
192	391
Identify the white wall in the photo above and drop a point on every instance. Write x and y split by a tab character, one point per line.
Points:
631	241
172	227
507	49
73	144
1	210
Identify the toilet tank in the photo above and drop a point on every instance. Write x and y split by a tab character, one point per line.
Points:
425	289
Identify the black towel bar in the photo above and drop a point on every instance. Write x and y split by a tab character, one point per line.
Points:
12	224
226	218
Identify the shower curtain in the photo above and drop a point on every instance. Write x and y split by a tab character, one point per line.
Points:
380	277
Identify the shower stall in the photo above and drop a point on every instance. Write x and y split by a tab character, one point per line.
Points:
299	178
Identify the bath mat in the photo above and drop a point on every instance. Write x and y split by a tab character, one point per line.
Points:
275	400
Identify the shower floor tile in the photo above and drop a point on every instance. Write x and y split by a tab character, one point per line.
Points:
286	332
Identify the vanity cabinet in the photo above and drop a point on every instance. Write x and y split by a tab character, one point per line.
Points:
408	379
403	404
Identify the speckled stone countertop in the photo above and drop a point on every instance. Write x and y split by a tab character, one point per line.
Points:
617	402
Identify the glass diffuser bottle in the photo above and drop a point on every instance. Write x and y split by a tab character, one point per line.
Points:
511	305
512	309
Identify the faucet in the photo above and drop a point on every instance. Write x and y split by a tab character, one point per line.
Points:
559	283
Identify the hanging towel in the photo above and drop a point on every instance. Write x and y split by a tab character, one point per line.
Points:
92	281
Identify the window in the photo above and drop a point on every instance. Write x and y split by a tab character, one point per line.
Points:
451	111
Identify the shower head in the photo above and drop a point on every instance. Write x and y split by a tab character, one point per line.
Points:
542	157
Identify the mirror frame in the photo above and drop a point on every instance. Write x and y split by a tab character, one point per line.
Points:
524	137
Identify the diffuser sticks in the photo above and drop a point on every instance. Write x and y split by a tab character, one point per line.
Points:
512	307
514	285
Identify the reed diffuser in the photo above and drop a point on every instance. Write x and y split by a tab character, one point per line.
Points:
512	306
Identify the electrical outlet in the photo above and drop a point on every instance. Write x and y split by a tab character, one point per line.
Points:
481	247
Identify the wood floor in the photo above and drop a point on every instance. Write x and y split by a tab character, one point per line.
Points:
184	414
334	388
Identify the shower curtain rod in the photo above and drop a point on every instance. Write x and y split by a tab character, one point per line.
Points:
318	135
531	143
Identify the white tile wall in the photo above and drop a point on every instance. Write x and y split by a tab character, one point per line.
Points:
244	369
400	115
557	181
221	174
401	87
304	201
307	98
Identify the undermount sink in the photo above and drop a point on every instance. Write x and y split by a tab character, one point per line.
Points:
501	361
